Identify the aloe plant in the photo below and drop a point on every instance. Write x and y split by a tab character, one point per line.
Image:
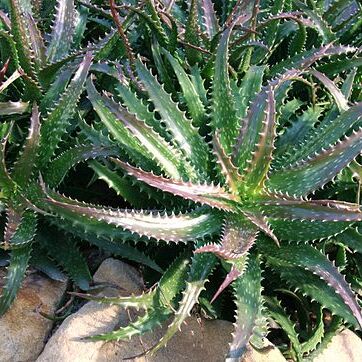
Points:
247	201
245	175
44	80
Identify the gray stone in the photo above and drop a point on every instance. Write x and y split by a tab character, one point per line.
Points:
199	340
93	318
23	331
344	347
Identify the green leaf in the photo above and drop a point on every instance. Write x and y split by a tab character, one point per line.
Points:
310	174
65	251
224	119
124	251
324	136
189	92
136	136
309	259
208	194
192	36
313	210
26	163
121	185
249	323
279	315
27	38
201	267
160	226
62	164
352	239
185	135
63	29
306	230
54	126
318	21
19	260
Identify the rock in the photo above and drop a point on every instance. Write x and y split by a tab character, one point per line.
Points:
344	347
269	354
23	331
93	318
198	341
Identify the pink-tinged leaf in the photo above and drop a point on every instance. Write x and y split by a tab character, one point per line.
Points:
231	276
209	18
314	210
13	219
255	174
62	30
255	142
228	169
7	184
308	258
160	226
224	117
238	237
136	136
36	40
338	96
26	163
214	196
310	174
3	70
262	223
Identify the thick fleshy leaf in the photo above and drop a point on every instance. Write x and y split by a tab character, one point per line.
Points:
276	311
313	210
159	302
224	119
54	126
201	267
185	134
352	239
209	18
8	108
176	227
62	164
249	304
7	184
312	260
314	172
123	186
62	31
319	23
136	135
214	196
65	251
338	96
255	174
27	160
26	36
305	230
16	272
20	228
189	92
239	235
247	91
227	169
324	136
